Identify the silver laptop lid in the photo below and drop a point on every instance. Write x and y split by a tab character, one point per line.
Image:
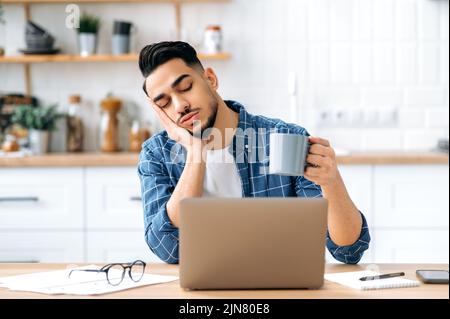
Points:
252	243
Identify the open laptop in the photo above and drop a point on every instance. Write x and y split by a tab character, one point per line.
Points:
252	243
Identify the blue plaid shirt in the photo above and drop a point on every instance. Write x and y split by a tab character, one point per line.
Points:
162	161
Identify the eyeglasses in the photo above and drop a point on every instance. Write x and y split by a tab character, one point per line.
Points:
116	272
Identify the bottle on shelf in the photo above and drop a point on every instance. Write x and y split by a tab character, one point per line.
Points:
109	125
10	144
138	135
213	39
134	137
74	125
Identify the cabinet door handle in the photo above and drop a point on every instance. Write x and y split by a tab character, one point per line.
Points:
135	198
19	199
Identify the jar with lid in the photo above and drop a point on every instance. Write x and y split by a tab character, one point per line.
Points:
10	144
109	124
212	42
138	135
74	125
134	136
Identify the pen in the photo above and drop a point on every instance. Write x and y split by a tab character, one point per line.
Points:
384	276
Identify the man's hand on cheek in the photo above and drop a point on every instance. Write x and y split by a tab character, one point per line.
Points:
191	142
324	171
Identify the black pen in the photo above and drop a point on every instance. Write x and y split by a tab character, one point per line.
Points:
384	276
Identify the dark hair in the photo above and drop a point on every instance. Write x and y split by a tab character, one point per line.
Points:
156	54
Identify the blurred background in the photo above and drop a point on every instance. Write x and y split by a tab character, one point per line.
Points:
369	75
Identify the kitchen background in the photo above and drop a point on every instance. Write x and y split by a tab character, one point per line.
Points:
370	75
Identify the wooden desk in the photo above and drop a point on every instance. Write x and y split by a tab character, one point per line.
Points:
172	290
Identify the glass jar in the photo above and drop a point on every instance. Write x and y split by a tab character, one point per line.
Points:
10	144
213	39
134	137
138	135
109	124
74	125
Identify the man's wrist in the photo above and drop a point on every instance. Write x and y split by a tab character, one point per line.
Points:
196	155
335	187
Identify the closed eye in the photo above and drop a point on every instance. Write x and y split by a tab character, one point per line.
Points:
163	102
186	89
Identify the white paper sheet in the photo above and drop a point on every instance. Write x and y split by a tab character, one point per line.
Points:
79	283
351	279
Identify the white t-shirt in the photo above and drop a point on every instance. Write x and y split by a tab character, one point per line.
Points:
221	176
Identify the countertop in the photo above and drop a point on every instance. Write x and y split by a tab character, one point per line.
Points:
173	290
131	159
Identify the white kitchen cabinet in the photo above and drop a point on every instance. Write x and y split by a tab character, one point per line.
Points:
113	198
358	181
41	198
406	207
95	214
411	246
411	196
118	246
38	246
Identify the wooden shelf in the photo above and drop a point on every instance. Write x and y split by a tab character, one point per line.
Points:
26	60
111	1
39	58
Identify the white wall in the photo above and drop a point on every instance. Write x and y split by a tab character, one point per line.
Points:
349	55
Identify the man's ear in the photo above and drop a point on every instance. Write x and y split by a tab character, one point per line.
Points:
212	78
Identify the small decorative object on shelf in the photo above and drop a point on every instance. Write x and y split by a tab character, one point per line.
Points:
8	103
109	125
87	34
443	145
39	121
137	136
38	40
212	43
10	144
121	37
134	137
74	125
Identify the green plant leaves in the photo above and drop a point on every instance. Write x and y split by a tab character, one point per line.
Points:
37	118
89	23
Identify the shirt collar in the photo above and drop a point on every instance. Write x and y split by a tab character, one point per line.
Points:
239	144
239	108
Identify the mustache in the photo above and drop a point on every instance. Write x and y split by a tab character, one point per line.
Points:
186	113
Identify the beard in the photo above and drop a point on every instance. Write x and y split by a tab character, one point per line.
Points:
204	131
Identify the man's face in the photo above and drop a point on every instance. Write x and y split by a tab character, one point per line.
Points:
184	94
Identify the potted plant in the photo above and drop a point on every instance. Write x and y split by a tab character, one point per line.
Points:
39	121
87	34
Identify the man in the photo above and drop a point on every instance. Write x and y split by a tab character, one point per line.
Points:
205	151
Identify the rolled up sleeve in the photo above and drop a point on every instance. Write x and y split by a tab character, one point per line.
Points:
351	254
156	188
